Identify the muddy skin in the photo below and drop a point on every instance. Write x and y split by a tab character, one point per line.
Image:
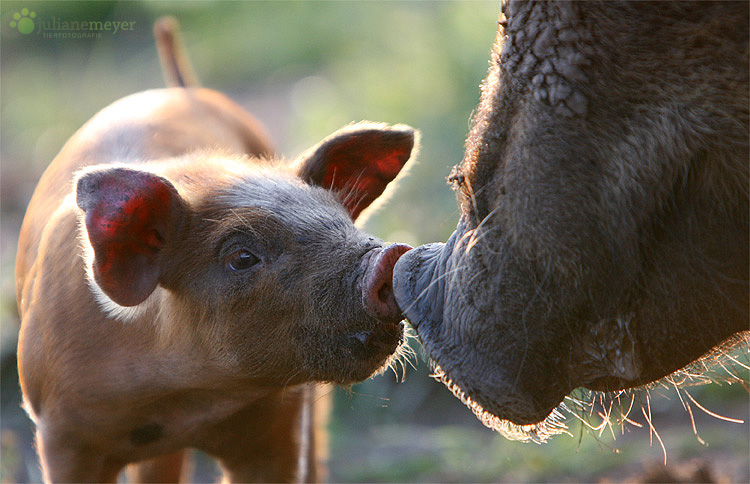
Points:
603	237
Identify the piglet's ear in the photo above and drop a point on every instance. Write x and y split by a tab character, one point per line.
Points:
130	216
358	162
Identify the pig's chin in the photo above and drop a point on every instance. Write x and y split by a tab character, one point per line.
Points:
538	432
374	351
472	395
350	357
471	374
450	371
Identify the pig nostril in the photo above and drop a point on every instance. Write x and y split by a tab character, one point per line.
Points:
385	293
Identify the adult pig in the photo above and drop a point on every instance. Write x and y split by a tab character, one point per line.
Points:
603	194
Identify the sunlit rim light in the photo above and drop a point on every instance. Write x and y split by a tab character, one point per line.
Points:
538	433
717	366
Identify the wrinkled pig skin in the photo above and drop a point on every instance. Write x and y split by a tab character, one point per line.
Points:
603	235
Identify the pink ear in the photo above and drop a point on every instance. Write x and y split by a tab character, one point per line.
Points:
358	162
130	215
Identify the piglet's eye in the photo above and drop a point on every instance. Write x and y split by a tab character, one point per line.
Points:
241	260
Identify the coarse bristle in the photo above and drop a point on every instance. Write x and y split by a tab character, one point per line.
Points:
537	433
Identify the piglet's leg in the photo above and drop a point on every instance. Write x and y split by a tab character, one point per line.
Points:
267	441
165	469
66	460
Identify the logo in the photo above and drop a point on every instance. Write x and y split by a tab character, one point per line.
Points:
27	22
23	21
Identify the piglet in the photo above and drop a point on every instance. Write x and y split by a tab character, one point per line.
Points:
180	287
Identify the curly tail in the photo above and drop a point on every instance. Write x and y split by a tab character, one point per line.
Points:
175	64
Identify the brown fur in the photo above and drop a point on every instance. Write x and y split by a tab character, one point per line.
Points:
171	346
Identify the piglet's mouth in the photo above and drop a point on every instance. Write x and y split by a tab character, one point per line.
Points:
385	337
374	345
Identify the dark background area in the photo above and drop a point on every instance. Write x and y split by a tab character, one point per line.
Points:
305	69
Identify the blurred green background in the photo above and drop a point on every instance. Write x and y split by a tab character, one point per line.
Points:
305	69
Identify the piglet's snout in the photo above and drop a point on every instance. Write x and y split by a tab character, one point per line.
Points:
377	288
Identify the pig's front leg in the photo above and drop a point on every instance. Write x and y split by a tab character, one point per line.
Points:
165	468
66	459
267	441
